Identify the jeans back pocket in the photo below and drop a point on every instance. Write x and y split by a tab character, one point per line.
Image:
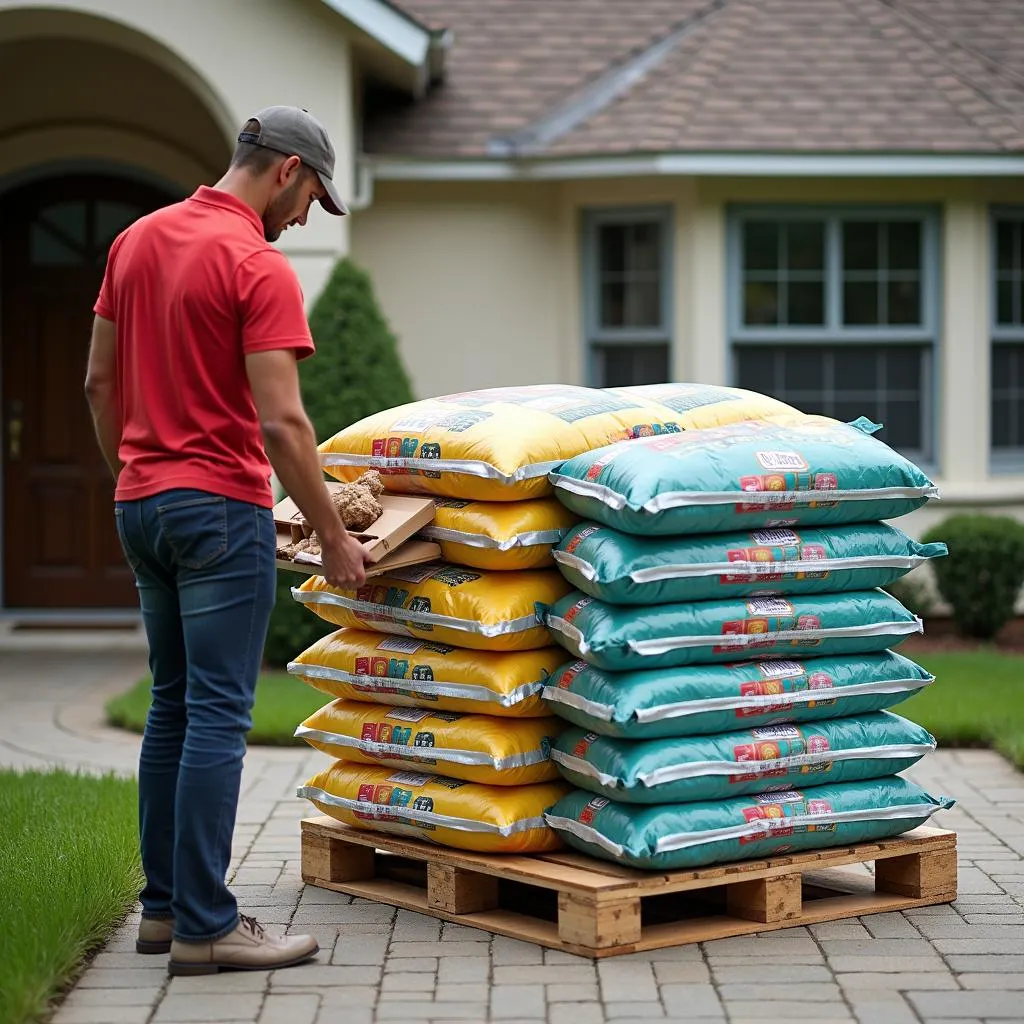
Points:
195	529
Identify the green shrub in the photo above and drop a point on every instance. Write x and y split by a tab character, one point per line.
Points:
982	575
913	593
356	371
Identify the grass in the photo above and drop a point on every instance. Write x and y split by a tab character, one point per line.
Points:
977	700
282	702
69	870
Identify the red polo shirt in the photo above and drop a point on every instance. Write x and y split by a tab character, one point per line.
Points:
194	288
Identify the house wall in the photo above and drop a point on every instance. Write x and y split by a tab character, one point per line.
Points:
161	89
482	282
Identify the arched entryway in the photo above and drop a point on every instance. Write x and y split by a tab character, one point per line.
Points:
60	546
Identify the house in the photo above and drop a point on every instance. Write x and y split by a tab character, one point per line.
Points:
819	199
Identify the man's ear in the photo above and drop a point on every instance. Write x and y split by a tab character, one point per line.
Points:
288	170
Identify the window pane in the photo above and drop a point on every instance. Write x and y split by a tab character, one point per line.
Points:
761	303
47	250
846	381
644	247
904	302
856	370
860	303
612	248
1008	241
643	304
806	302
111	219
630	364
903	369
755	368
805	245
803	371
1007	396
860	245
760	245
1004	301
67	220
613	304
904	245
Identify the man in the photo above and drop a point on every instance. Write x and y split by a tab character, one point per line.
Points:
193	384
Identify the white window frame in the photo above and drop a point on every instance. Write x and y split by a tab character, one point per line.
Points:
1002	460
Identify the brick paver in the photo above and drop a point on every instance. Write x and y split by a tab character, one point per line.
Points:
960	963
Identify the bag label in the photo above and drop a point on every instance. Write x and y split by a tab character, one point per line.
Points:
409	714
769	606
780	669
775	537
782	461
414	573
776	732
410	778
401	645
790	796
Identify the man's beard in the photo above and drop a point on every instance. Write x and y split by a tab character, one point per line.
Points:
274	217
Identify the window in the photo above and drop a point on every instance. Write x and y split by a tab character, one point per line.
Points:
833	311
626	289
1007	432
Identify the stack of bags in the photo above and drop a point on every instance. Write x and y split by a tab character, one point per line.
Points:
437	726
734	653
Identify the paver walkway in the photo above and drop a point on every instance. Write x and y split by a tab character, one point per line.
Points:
951	963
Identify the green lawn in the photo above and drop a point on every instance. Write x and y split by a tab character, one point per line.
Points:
69	870
977	700
282	702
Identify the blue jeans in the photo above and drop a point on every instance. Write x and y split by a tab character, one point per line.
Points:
204	568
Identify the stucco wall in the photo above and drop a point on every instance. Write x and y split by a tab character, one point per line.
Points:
162	88
473	281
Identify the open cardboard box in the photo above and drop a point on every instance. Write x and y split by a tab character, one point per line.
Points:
387	540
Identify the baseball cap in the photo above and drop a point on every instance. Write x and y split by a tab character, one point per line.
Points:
294	131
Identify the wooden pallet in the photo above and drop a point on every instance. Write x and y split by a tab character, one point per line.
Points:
573	902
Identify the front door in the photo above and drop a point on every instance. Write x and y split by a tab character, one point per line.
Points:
60	544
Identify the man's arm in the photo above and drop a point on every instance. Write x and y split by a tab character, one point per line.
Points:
101	391
291	447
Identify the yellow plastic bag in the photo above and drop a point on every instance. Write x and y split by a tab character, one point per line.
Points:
707	405
501	535
488	611
500	444
438	809
405	672
476	748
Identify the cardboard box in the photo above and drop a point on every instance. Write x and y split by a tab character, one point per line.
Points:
387	540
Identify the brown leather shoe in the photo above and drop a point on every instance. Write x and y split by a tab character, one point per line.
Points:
247	948
155	935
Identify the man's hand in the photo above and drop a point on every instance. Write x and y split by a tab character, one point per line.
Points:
345	561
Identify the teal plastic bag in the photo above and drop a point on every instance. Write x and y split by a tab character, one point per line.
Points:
685	769
622	568
751	475
690	633
698	700
672	836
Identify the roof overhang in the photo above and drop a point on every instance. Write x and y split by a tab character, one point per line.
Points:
414	54
716	165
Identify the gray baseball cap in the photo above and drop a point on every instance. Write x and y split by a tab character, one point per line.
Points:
294	131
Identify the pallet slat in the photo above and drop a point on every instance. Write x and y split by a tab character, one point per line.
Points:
582	905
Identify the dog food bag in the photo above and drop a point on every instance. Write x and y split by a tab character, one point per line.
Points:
698	700
503	535
623	637
408	672
786	472
499	444
746	761
622	568
708	405
438	809
488	611
477	748
665	837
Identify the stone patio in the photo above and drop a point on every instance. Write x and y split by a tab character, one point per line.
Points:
961	963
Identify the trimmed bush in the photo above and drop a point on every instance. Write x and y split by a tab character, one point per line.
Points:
356	371
983	573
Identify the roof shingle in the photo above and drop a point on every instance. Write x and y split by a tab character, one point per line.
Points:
749	75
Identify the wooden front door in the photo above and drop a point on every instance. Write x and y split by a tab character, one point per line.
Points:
60	545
